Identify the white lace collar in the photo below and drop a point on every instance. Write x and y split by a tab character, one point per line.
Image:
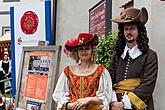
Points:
133	53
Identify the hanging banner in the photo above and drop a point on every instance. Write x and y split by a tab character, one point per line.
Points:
30	23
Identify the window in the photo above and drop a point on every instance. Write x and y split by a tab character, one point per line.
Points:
5	29
11	0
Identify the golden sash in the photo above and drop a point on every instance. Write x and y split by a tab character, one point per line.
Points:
128	86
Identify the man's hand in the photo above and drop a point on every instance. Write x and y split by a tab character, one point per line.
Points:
117	106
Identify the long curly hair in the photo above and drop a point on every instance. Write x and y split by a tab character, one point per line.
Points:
142	39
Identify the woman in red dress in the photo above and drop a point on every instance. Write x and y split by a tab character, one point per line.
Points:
86	85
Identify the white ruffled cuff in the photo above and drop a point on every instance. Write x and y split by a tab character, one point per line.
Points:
114	97
104	100
62	99
127	102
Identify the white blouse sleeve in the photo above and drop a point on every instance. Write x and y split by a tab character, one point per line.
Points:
105	89
9	70
61	92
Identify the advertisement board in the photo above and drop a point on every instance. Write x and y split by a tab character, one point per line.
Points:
30	23
37	77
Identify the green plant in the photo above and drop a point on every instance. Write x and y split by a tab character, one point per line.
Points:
105	48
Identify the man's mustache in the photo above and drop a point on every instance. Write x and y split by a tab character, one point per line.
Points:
127	35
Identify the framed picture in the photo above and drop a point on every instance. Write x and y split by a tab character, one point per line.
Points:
39	70
11	0
5	29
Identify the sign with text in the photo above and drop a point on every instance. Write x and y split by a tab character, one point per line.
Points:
30	23
97	21
36	86
37	77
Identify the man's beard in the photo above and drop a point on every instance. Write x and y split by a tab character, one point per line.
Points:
130	41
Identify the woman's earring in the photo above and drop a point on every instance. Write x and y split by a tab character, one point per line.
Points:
76	57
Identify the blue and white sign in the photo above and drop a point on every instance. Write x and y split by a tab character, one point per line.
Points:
30	23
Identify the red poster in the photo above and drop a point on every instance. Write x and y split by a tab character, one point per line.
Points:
36	86
97	19
37	78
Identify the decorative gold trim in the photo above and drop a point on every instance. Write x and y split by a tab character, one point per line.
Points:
83	74
72	81
90	84
136	101
81	86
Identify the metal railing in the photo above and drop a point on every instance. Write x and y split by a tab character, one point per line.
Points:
7	101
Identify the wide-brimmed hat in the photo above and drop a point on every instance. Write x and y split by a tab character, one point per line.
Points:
132	15
83	39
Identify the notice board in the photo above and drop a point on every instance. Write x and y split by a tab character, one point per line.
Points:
37	78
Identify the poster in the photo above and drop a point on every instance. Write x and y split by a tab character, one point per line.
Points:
38	74
31	105
37	77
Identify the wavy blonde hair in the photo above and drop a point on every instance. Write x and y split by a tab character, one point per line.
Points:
74	55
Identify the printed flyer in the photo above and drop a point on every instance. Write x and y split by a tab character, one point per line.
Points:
37	77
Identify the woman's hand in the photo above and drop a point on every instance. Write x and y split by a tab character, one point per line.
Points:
70	105
117	106
85	101
80	104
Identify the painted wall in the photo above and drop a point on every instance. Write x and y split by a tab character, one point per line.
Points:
4	16
4	22
155	28
115	12
157	43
